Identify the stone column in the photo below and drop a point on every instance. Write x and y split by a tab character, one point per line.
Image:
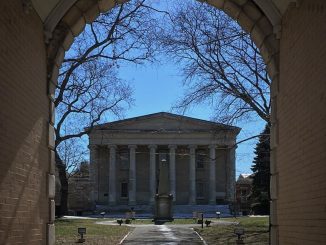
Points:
172	172
132	175
112	175
192	174
93	173
152	173
212	175
230	184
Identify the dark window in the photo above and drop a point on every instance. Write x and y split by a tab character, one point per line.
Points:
200	190
200	159
124	189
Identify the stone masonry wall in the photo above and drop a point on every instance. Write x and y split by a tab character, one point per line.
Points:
301	112
24	113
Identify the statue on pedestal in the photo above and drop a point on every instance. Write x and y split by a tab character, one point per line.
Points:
163	199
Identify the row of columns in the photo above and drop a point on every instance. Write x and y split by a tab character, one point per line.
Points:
172	173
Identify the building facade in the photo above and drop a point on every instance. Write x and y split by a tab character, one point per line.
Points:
243	191
125	156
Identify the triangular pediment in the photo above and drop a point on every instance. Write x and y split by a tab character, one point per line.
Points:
164	121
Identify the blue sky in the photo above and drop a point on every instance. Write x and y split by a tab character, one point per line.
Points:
158	86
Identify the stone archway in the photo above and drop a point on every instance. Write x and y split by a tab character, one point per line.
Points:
28	73
263	28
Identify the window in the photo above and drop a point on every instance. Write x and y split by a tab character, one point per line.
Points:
200	159
200	190
124	189
123	159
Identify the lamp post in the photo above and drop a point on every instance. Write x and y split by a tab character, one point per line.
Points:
81	232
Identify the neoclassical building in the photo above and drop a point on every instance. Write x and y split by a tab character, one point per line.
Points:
125	157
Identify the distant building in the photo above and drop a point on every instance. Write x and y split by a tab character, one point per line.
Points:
243	191
125	155
79	195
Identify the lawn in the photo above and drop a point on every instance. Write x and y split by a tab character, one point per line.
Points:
66	232
256	231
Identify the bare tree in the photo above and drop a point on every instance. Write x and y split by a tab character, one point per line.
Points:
89	89
221	64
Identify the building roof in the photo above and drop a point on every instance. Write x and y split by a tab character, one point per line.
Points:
165	121
245	179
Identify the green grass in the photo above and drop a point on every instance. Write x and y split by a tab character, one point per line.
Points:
66	232
256	231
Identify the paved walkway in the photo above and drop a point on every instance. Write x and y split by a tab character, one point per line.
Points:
162	234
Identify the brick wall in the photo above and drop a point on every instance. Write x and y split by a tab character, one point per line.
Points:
24	159
301	111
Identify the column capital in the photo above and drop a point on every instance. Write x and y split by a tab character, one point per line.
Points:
172	146
152	146
111	146
132	146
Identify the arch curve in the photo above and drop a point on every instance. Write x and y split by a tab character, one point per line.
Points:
248	14
255	16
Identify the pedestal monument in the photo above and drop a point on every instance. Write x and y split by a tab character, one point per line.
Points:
163	199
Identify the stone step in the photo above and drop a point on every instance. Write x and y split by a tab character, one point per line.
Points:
181	211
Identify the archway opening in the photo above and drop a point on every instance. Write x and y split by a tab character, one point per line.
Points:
245	12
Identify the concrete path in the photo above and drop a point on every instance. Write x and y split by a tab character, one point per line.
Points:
163	234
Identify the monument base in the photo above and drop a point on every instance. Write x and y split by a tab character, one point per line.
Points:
163	208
